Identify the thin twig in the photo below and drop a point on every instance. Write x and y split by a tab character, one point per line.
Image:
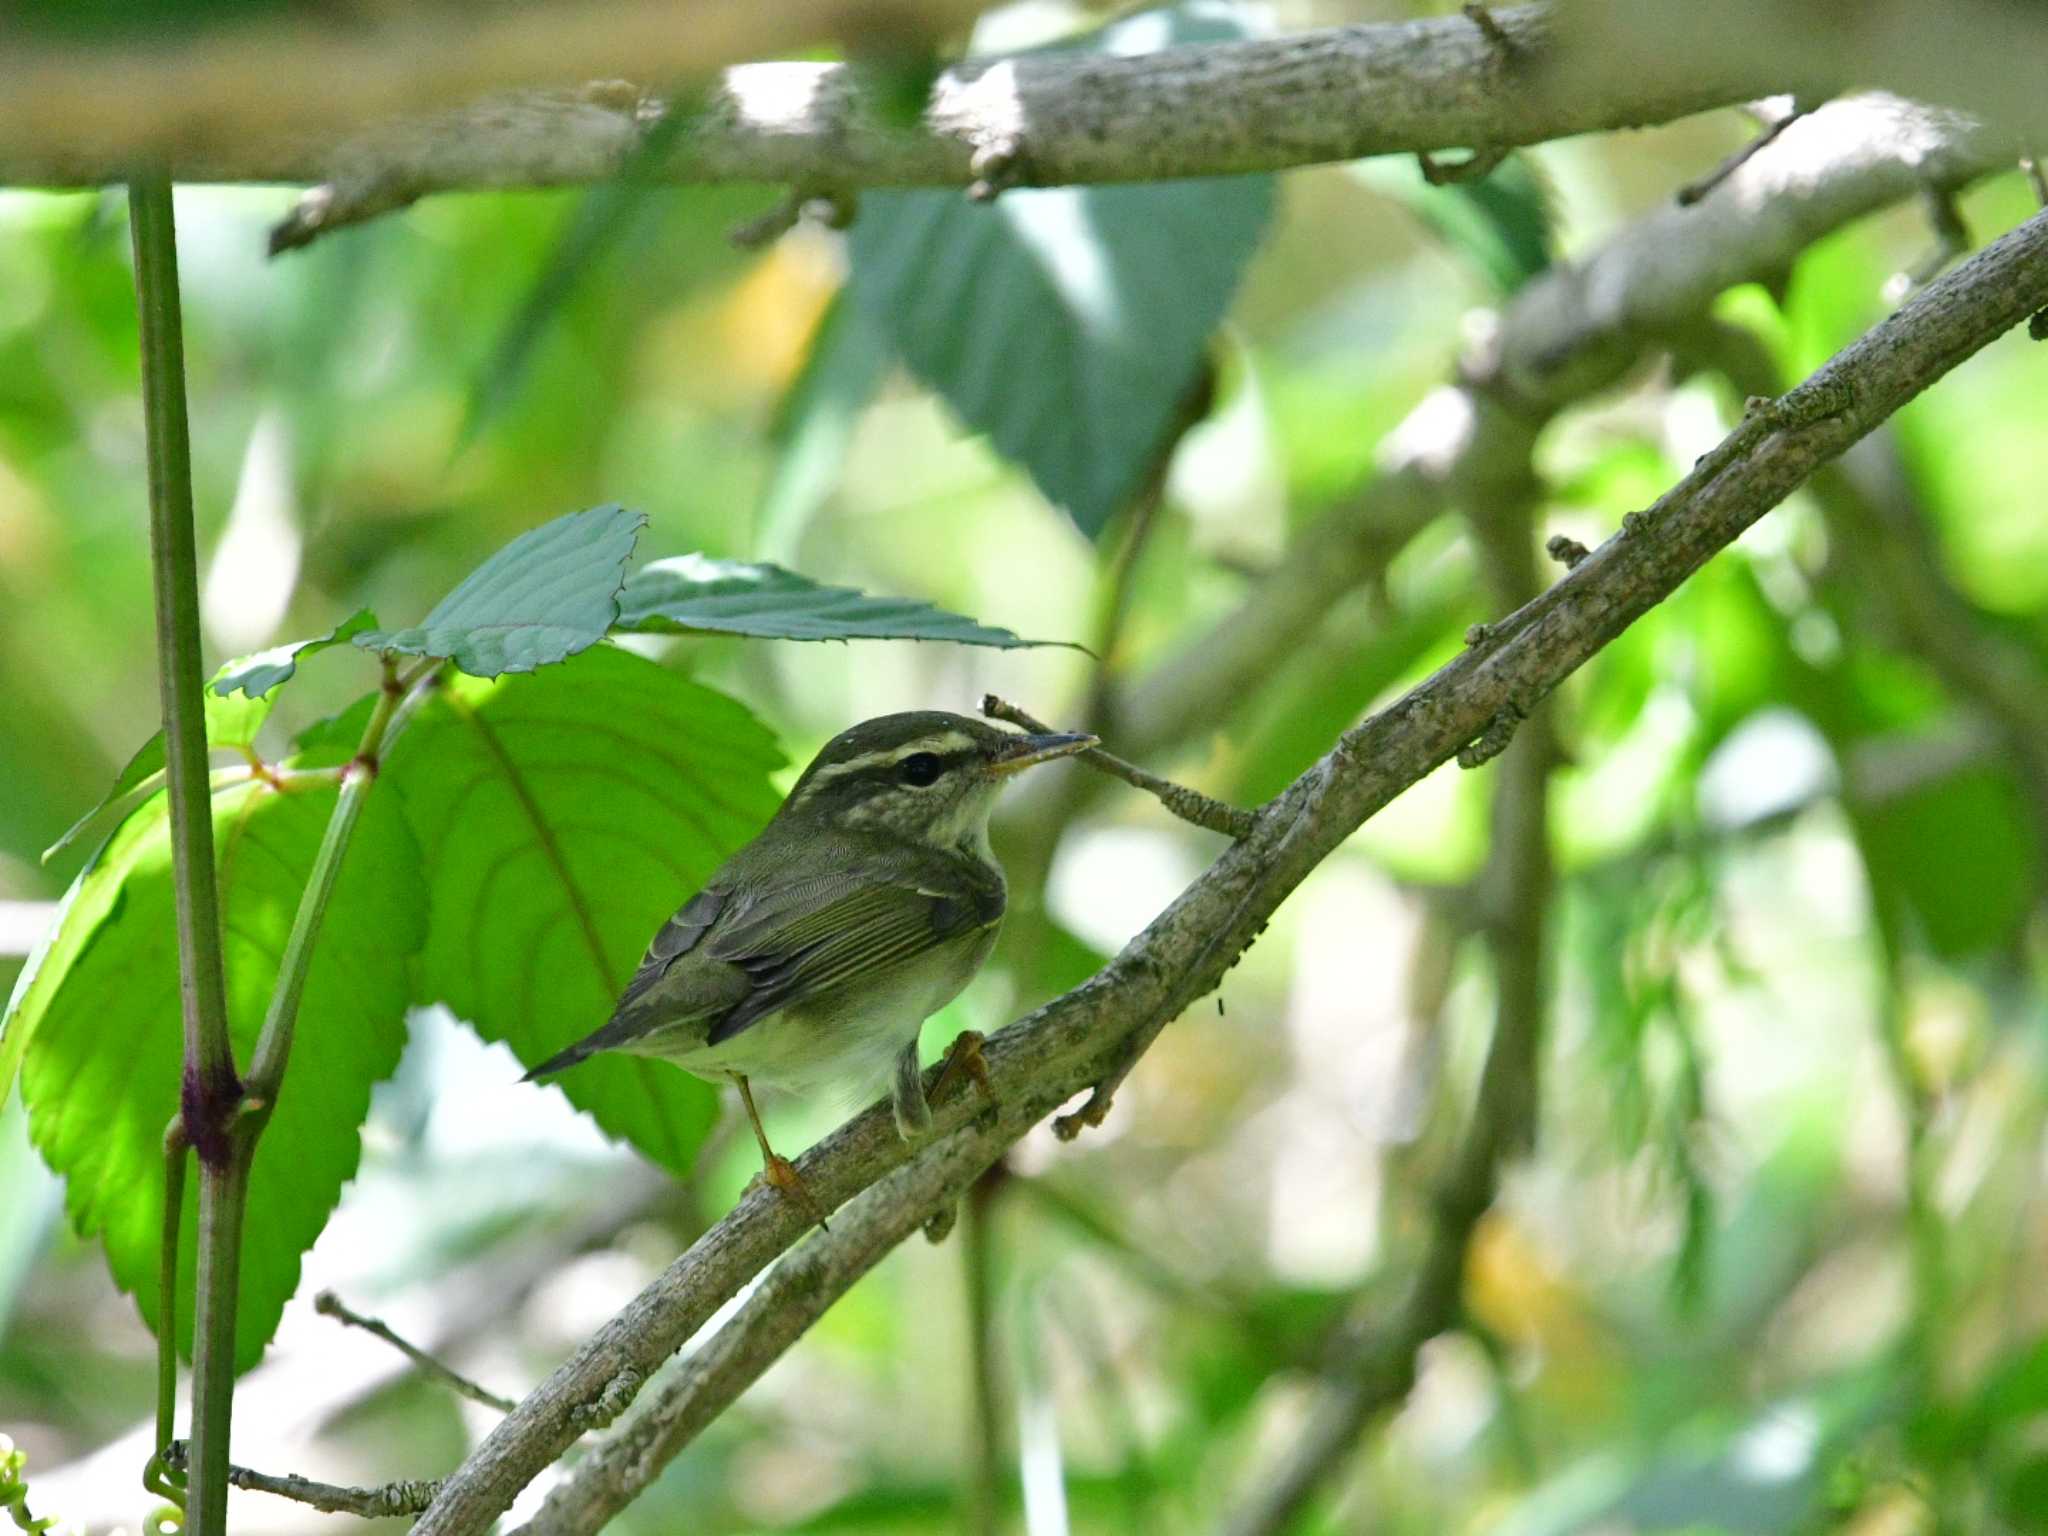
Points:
2037	177
1190	805
1476	166
1951	239
1482	17
327	1304
1693	191
410	1496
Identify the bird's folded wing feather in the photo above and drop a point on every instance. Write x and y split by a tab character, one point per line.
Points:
812	941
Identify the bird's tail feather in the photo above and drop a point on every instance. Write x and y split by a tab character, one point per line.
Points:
619	1030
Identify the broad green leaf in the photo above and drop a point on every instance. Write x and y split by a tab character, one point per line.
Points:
814	424
563	817
142	777
231	724
256	675
1499	224
1068	324
550	593
93	893
1957	855
731	597
104	1050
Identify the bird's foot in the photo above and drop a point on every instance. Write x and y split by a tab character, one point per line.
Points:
780	1174
964	1059
907	1102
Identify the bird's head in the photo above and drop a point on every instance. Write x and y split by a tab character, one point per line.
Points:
926	775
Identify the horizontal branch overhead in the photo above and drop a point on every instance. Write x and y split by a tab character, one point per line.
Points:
1045	118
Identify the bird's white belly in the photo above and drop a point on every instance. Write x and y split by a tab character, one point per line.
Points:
842	1050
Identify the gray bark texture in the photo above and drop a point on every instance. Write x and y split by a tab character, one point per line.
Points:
1038	119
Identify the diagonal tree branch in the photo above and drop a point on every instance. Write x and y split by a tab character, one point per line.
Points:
1040	1061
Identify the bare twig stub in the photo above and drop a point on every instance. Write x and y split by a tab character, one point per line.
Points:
1040	1061
1780	116
408	1497
1190	805
327	1304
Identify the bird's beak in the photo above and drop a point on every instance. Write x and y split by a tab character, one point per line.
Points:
1021	752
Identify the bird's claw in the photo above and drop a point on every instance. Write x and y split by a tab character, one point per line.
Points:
964	1059
780	1174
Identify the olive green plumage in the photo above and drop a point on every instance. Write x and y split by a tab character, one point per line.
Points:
812	956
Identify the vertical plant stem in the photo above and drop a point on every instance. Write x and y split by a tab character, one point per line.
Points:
174	565
175	1149
210	1090
985	1476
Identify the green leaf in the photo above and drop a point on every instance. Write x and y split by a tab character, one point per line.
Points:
86	904
1499	224
231	723
563	817
695	593
103	1048
814	424
1068	324
550	593
142	777
1957	855
256	675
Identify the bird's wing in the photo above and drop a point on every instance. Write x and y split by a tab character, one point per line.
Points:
678	936
733	954
646	1006
809	939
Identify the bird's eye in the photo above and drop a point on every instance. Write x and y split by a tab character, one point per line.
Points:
920	769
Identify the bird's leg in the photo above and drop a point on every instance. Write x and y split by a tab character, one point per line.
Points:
906	1096
964	1059
775	1168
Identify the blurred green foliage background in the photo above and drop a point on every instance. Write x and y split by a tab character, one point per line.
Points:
1773	1261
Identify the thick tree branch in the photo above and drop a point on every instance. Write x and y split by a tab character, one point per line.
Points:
1978	55
1054	118
1045	1058
1901	574
1579	328
795	1295
270	98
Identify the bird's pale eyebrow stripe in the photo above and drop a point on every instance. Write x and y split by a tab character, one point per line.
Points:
939	744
